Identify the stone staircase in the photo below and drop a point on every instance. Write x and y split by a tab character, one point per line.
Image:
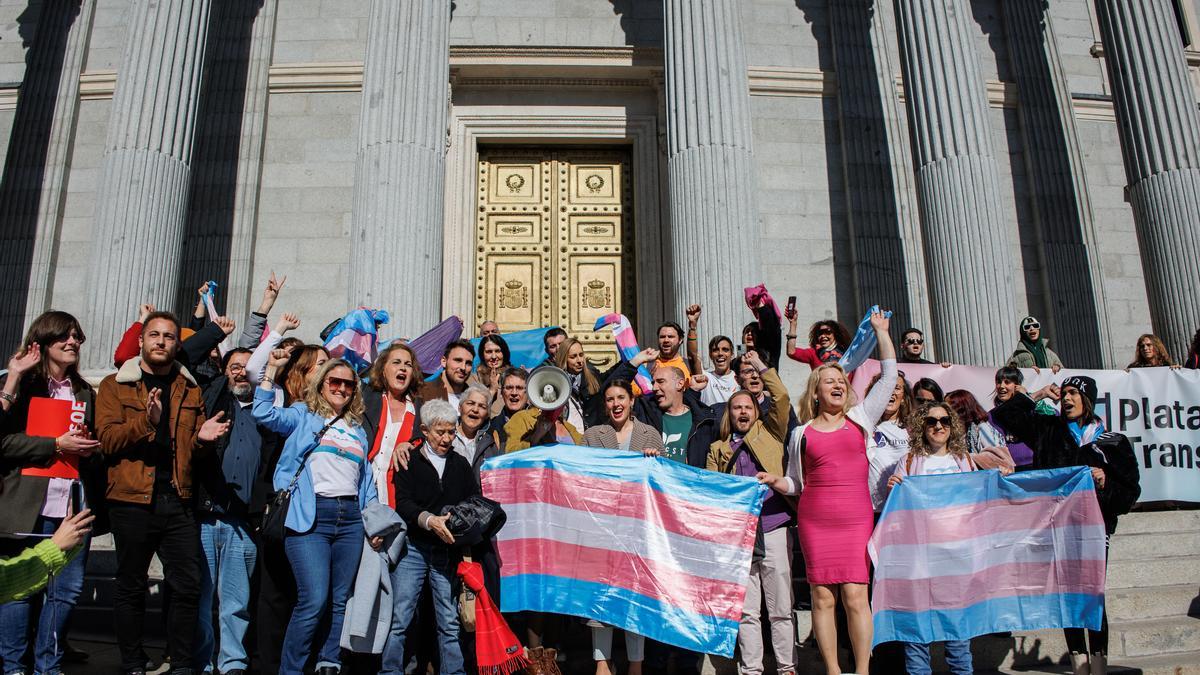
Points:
1153	601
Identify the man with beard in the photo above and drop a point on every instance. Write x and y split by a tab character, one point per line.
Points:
515	399
151	424
229	495
458	361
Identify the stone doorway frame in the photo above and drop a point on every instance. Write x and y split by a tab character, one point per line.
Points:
552	125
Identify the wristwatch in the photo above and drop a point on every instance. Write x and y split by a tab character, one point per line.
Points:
8	397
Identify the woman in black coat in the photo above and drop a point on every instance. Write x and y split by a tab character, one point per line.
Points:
1077	437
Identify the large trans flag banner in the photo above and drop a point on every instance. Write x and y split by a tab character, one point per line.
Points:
641	543
968	554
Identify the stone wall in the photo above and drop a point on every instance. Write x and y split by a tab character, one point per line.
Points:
307	170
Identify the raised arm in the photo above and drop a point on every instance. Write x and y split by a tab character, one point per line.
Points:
769	333
256	365
280	420
693	339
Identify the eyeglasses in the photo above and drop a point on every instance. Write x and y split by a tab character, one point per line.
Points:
73	334
236	368
824	331
933	422
339	383
914	341
1032	325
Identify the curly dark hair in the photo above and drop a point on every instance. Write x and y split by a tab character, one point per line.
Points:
841	336
916	431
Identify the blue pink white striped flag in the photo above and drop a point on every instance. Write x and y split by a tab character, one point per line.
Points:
645	544
968	554
356	336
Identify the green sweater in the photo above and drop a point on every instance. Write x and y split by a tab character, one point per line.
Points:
27	573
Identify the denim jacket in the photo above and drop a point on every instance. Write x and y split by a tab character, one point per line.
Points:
300	425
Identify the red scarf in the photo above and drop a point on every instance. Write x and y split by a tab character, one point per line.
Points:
406	429
497	650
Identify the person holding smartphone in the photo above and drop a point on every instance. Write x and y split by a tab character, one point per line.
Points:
36	496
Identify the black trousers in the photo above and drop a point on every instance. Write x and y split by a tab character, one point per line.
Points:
276	600
167	527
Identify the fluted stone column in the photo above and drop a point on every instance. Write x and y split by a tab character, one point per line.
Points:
38	163
714	231
967	252
146	168
396	252
881	205
1160	139
1067	250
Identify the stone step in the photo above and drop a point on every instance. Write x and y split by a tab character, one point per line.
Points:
1159	521
1149	545
1187	663
1150	572
1153	602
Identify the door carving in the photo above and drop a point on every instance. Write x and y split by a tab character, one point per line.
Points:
554	240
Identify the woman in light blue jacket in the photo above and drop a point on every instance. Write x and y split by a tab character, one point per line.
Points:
327	446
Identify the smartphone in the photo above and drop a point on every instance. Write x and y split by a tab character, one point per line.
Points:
791	306
741	350
77	504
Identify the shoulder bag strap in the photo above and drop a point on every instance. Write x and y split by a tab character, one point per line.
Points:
316	441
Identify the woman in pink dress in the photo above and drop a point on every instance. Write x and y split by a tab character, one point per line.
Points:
827	466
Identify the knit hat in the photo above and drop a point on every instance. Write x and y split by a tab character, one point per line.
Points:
1085	385
1029	321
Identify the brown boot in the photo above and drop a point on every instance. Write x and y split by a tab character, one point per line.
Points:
534	654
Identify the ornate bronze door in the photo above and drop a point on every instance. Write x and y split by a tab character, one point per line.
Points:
554	231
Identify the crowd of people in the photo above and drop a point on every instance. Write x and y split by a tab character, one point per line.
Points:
191	450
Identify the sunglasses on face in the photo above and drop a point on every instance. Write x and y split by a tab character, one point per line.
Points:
1032	325
339	383
824	331
72	335
914	341
932	422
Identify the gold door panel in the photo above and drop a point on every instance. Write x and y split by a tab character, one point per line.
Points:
554	235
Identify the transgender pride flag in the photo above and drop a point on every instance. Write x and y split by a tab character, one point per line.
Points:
968	554
645	544
356	336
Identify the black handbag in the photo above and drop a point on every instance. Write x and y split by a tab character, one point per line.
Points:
274	518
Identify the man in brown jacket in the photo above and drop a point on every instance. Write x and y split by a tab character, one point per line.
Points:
150	420
457	362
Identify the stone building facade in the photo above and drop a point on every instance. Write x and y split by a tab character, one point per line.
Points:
548	161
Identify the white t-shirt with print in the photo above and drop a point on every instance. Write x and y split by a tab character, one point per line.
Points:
334	464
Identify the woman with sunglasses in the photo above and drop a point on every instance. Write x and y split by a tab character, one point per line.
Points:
325	459
827	466
36	499
827	341
1033	350
937	446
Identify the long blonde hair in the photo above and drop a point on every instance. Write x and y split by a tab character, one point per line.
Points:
295	384
590	384
808	407
957	443
355	410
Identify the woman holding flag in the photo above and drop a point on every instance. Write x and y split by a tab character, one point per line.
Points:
938	445
1077	437
828	468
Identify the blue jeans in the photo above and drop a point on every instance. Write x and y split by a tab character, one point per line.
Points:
324	560
433	563
958	658
57	602
231	554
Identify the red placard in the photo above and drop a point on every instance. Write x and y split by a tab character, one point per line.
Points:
51	418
